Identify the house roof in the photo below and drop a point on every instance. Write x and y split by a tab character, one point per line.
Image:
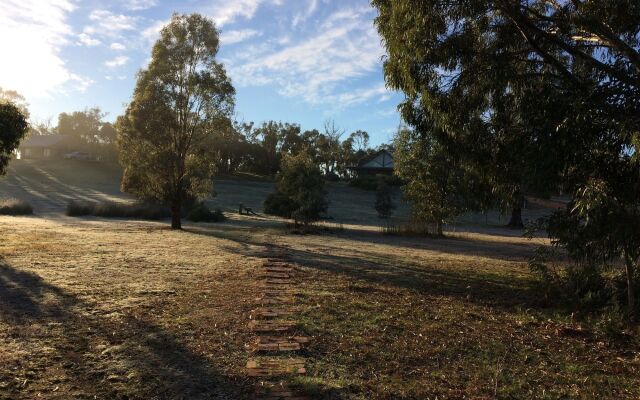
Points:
43	140
381	160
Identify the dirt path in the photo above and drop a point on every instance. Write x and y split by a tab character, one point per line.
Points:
278	343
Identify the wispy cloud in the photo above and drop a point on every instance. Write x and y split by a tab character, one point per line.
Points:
80	83
39	29
86	40
152	32
117	61
237	36
136	5
358	96
311	8
107	23
224	12
117	46
346	48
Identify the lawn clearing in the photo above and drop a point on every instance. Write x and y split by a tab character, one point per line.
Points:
132	309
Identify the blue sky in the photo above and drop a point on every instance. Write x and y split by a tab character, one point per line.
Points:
302	61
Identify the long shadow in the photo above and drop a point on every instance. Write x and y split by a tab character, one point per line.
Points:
141	360
481	288
454	245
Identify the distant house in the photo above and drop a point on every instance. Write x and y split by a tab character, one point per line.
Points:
43	146
378	163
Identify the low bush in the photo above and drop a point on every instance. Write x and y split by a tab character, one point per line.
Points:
15	207
412	228
148	211
202	213
371	182
279	204
141	210
80	208
588	289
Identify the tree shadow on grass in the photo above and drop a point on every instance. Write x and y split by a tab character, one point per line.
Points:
495	290
74	346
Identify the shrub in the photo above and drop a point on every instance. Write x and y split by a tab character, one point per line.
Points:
80	208
611	323
279	204
15	207
411	228
300	189
371	182
143	210
201	213
365	182
384	200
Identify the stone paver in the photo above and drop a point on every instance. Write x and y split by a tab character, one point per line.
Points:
276	328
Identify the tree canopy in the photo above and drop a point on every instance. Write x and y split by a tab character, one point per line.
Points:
13	127
180	99
534	95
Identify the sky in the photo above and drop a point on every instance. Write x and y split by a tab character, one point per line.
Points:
297	61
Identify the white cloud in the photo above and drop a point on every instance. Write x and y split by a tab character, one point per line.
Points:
86	40
117	46
136	5
224	12
31	62
237	36
358	96
107	23
117	62
80	83
311	7
347	48
152	32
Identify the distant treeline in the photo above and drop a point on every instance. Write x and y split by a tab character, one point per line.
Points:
239	146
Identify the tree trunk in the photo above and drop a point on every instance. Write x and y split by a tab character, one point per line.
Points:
176	220
516	218
439	228
631	298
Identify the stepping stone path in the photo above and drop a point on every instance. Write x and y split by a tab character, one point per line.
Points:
275	349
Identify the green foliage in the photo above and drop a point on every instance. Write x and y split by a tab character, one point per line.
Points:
87	132
531	96
13	127
139	210
602	225
611	323
80	208
411	228
166	135
15	207
202	213
384	204
300	190
433	178
279	204
15	98
371	182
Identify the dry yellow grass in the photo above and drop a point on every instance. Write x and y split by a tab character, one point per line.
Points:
118	309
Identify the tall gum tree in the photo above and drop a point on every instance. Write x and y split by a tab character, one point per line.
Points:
558	82
180	99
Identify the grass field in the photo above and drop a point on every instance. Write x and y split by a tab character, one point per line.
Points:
116	309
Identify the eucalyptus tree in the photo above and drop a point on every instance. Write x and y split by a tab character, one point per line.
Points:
18	100
433	178
532	93
180	99
13	127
